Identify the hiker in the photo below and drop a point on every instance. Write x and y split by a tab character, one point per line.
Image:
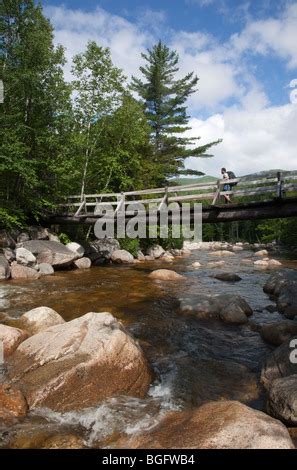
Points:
226	186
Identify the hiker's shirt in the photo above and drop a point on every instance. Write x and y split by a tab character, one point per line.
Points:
226	187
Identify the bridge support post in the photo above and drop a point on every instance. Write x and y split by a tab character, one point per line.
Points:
164	200
82	206
121	201
279	187
218	192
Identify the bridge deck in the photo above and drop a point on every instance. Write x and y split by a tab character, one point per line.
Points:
278	189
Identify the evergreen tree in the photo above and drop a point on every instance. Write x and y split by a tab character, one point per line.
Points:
165	98
34	115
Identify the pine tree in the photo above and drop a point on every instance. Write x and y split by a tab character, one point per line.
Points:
164	98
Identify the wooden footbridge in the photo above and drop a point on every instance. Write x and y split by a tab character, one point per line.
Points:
263	196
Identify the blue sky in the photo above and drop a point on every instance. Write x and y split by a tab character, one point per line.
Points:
244	52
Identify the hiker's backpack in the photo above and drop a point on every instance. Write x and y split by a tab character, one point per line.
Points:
232	177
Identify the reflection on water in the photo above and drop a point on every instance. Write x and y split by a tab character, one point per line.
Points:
149	310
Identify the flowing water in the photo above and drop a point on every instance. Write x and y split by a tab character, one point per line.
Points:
191	358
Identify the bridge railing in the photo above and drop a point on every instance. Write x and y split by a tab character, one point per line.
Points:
274	185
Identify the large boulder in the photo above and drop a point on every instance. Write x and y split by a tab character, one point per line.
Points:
38	436
165	275
214	425
23	237
140	256
45	269
261	253
25	257
40	319
282	399
76	248
9	254
83	263
63	441
274	283
261	264
283	286
234	314
156	251
6	240
274	263
222	253
196	265
53	237
278	333
35	435
122	256
11	338
18	271
215	264
12	403
282	362
237	248
175	252
4	268
100	251
287	300
54	253
80	363
38	233
267	264
228	307
167	256
185	252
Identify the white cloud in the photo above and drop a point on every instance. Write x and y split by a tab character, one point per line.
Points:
271	35
126	40
252	141
256	135
74	28
218	80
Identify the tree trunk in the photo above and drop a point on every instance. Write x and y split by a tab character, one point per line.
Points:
87	157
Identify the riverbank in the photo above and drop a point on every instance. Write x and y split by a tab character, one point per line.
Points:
39	252
192	360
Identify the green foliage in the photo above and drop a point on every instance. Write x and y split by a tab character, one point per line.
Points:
98	86
52	145
33	119
270	230
130	244
280	230
167	243
11	220
171	243
266	231
122	152
164	98
111	133
64	238
288	236
92	136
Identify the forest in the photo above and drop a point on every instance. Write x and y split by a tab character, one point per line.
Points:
99	132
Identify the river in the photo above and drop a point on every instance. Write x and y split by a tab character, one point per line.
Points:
185	353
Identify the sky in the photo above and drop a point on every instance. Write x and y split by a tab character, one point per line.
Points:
244	53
